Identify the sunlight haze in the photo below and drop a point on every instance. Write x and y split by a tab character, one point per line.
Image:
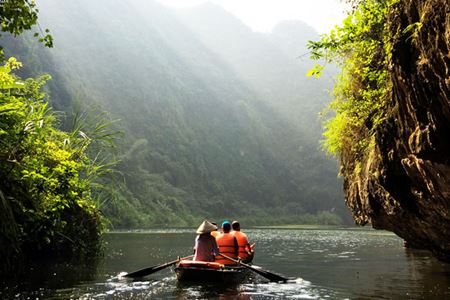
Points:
263	15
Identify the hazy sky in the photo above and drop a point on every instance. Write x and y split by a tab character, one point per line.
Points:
262	15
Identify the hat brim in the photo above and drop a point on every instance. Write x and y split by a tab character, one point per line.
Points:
206	227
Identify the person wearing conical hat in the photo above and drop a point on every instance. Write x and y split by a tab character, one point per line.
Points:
205	244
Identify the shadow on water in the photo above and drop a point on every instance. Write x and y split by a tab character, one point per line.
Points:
43	278
434	276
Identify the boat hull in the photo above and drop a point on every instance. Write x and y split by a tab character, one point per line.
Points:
209	272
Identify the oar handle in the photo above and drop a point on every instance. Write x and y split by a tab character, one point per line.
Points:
229	258
175	261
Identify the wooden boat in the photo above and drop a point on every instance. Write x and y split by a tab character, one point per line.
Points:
200	271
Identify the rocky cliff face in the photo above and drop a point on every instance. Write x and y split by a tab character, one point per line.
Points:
404	185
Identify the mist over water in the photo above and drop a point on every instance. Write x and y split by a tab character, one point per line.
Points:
323	264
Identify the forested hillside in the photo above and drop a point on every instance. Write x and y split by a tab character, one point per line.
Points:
272	64
218	121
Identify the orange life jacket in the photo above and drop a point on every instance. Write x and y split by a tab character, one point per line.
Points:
215	233
243	244
226	243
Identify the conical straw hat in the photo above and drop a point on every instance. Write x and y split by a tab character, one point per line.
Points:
206	227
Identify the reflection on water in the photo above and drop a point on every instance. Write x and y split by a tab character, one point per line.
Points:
324	264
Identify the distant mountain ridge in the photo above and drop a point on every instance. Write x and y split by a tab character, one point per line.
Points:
219	121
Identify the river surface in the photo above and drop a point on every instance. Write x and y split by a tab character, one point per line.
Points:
323	264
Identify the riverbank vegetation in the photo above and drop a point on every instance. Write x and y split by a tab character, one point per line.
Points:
361	47
47	207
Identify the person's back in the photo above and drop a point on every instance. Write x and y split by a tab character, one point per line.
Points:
205	248
228	245
205	244
242	239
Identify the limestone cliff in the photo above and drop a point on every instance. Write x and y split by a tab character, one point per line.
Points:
404	185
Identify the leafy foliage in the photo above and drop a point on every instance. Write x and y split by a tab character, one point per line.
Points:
361	47
46	199
16	16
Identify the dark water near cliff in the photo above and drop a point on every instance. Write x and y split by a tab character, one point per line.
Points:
325	264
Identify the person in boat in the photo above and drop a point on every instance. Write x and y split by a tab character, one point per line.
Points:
205	248
216	232
245	250
228	245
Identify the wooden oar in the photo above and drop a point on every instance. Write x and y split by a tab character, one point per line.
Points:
269	275
151	270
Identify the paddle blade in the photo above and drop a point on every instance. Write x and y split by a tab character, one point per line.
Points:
269	275
273	277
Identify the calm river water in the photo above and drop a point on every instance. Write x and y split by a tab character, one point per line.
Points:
324	264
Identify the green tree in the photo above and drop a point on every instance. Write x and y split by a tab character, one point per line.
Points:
46	204
360	46
16	16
